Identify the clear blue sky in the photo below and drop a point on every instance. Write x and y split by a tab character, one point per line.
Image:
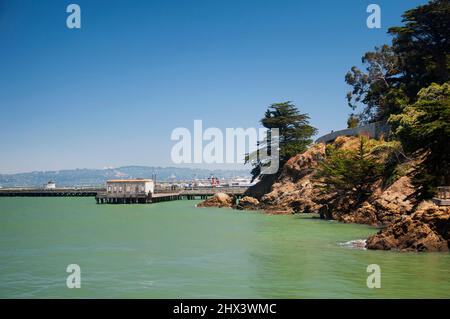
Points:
111	93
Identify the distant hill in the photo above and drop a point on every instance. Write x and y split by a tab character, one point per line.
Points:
95	177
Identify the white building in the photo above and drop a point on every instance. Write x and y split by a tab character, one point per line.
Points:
242	182
130	187
50	185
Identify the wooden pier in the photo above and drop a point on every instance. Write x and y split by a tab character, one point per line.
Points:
57	192
102	197
105	198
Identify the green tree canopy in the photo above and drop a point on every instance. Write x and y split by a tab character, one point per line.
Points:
419	55
424	130
353	121
349	172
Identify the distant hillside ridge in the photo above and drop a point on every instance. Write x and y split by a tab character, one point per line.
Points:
97	177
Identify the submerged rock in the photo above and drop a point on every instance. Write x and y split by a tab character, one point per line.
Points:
218	200
427	229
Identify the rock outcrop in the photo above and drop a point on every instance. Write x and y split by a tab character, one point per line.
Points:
427	229
218	200
297	191
248	203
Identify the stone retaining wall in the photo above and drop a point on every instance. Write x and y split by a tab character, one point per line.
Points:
373	130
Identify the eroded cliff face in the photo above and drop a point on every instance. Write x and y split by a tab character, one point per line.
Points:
295	190
383	207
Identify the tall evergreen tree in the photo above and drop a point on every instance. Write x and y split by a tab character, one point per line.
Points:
295	133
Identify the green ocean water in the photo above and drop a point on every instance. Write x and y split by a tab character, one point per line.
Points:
174	250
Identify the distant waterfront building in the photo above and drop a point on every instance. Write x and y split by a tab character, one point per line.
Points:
130	187
133	191
50	185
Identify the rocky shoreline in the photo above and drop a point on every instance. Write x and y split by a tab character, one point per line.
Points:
427	229
406	225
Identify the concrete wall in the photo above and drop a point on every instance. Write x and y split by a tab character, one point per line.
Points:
373	130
